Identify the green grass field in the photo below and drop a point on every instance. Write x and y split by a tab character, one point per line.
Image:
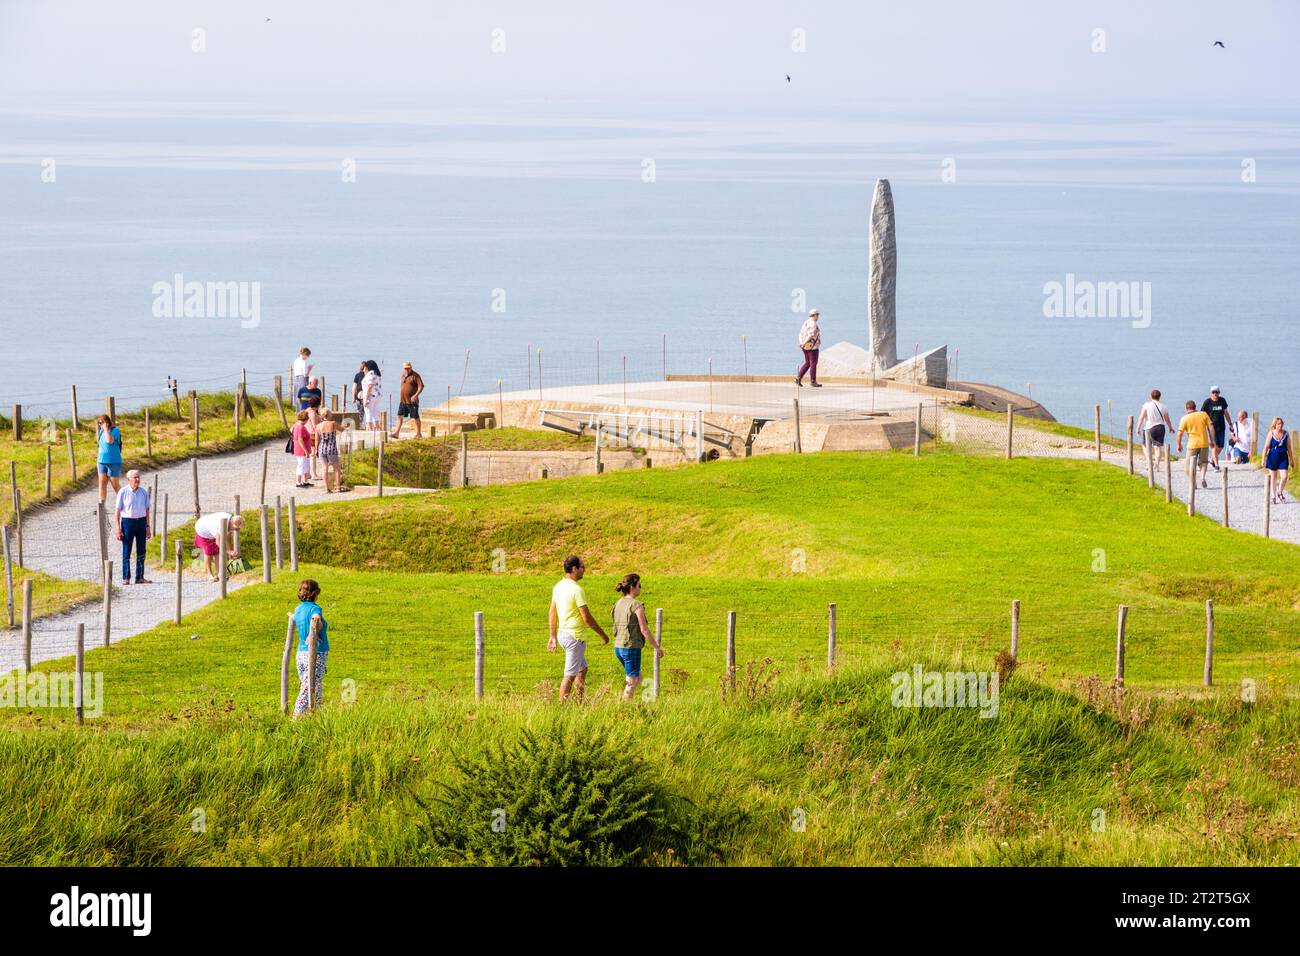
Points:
428	462
921	556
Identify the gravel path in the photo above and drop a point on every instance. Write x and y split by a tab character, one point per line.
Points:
61	540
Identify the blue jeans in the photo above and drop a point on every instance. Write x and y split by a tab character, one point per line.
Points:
133	532
630	658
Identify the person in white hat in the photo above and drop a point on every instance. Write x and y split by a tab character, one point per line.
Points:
810	342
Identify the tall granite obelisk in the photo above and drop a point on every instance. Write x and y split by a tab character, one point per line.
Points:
882	317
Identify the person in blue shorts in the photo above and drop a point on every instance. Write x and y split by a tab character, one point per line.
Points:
109	463
631	632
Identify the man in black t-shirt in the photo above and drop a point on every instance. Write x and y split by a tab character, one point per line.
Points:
1216	406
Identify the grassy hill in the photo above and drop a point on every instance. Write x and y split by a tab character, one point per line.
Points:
922	557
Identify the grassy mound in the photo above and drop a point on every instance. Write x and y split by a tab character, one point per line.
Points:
428	462
809	771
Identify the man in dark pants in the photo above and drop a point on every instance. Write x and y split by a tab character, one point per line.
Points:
810	342
1216	406
131	515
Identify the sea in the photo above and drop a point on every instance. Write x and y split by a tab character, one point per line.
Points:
585	240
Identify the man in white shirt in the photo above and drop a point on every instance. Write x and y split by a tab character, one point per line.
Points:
1152	422
131	516
302	369
1243	436
207	537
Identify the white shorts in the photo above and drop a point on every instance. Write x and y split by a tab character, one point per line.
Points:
304	465
575	653
372	413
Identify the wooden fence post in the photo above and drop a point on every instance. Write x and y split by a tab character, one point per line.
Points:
9	574
1169	478
830	639
148	434
194	471
916	438
479	653
72	457
1224	474
223	555
312	637
194	416
107	571
18	525
162	543
1151	462
176	399
1128	440
1209	643
27	625
1268	501
279	548
17	422
1254	435
798	429
659	638
1096	428
75	422
1015	629
180	570
284	667
110	408
102	525
261	497
266	546
79	679
236	539
596	467
1119	645
293	533
279	403
383	421
731	649
239	407
49	470
1191	496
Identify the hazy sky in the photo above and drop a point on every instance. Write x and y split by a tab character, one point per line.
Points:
932	51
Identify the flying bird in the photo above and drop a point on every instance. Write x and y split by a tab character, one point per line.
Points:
1219	43
787	77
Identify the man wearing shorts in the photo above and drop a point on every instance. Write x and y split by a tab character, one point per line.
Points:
1152	422
569	615
408	401
1200	439
1216	406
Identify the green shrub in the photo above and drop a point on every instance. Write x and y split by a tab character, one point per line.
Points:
555	799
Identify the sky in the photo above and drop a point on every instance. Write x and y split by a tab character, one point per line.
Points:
921	51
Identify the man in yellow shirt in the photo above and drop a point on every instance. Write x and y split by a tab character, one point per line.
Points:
569	615
1196	425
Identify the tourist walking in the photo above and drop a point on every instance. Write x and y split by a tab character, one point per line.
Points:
356	384
1277	460
302	369
327	448
310	391
131	517
109	463
303	441
568	617
630	632
207	535
313	423
1200	439
372	392
810	343
1242	438
1216	406
1152	423
408	400
308	592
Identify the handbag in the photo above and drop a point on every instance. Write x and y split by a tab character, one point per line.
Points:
288	446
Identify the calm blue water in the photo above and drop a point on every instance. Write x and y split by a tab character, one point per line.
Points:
551	207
